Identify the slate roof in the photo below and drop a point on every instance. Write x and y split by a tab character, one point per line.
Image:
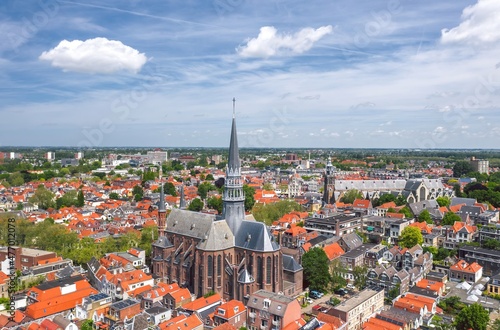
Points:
163	242
290	264
461	200
255	236
352	240
219	237
189	223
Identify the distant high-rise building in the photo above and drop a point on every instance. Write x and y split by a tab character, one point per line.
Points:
157	156
480	165
50	155
79	155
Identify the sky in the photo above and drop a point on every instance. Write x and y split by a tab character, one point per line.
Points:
305	74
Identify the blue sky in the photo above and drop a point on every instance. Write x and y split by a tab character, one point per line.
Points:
322	74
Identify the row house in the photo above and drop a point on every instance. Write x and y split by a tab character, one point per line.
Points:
462	270
358	309
337	225
389	278
117	315
493	286
487	258
268	310
232	312
151	296
182	322
118	286
293	237
203	306
374	256
460	232
423	306
354	258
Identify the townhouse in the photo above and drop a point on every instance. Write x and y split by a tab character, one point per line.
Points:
463	271
268	310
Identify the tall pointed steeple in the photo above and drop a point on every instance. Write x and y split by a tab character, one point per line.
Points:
233	209
182	204
162	210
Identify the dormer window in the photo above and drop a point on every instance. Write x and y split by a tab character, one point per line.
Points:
267	303
222	312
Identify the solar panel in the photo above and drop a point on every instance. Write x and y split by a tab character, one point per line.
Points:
98	296
124	304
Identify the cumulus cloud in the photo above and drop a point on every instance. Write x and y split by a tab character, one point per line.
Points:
269	43
480	25
98	55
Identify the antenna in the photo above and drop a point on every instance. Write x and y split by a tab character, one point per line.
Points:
234	101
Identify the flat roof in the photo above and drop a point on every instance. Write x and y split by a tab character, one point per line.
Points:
60	282
358	299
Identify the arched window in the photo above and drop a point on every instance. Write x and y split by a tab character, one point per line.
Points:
268	270
219	265
210	266
259	270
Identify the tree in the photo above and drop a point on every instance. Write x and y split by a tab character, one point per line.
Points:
351	195
360	275
80	199
425	216
249	199
267	186
87	325
209	177
450	218
386	198
204	188
443	201
196	205
16	179
337	275
461	168
114	195
400	200
410	236
474	317
268	213
169	189
316	269
407	212
138	193
215	203
43	198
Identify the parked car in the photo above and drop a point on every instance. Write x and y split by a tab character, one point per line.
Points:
309	300
315	294
341	292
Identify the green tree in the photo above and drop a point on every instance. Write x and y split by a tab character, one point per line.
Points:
249	198
400	200
442	253
113	195
351	195
425	216
360	276
169	189
407	212
450	218
138	193
443	201
43	198
267	186
461	168
196	205
87	325
316	269
215	203
16	179
204	188
268	213
80	199
474	317
337	272
386	198
209	177
410	236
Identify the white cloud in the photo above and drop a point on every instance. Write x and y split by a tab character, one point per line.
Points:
269	43
98	55
480	25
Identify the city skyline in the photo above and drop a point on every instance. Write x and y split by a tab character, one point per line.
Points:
383	74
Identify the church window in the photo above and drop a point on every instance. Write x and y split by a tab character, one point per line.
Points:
268	270
219	265
210	266
259	270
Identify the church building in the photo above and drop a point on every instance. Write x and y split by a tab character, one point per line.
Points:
228	255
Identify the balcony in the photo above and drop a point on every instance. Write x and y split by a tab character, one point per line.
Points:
251	315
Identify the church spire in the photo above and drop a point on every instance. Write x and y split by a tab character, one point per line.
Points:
233	163
162	210
182	204
233	209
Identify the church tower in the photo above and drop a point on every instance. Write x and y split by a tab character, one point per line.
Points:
329	185
162	211
233	209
